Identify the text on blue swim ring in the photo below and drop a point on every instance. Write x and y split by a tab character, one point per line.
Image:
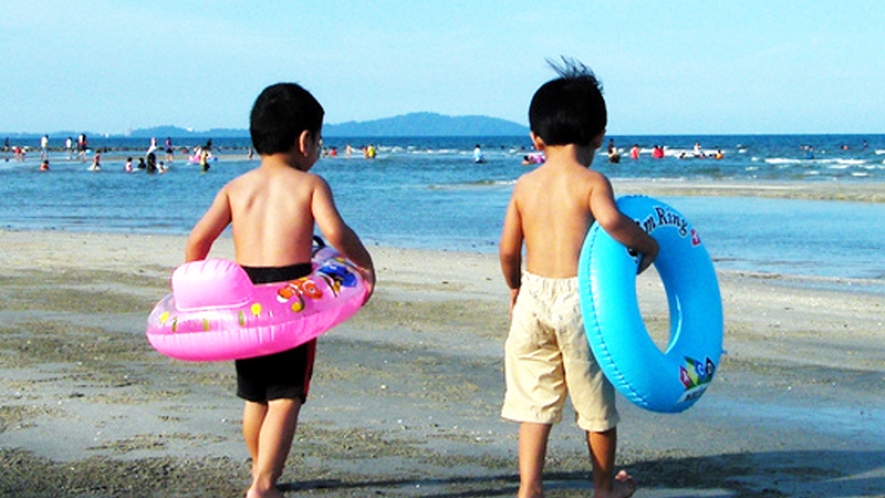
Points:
662	217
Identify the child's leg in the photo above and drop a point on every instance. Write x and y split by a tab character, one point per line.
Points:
532	452
602	447
274	440
253	417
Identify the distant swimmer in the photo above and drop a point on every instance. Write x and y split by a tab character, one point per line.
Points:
96	162
478	158
657	152
45	165
534	158
634	152
613	155
151	163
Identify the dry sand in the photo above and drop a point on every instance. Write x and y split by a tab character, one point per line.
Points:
405	397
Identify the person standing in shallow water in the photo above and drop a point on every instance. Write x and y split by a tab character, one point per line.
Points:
170	150
204	160
44	147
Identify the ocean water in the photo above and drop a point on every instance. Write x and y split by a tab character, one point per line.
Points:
427	193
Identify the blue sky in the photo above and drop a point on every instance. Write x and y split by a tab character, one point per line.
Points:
686	67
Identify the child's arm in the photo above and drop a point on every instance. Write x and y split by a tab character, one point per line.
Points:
620	227
510	250
216	219
337	233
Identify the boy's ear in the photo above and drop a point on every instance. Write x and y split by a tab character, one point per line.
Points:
537	141
304	143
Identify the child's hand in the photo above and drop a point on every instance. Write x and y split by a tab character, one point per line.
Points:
648	258
369	279
514	293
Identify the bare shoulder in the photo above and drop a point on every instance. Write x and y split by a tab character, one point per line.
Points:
248	178
591	181
276	176
574	175
590	176
537	177
526	180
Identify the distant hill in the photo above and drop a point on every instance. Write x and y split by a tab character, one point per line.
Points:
417	124
174	131
426	124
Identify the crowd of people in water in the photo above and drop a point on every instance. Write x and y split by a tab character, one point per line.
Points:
150	162
657	152
368	151
203	156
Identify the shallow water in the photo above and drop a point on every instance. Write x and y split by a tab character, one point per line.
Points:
427	193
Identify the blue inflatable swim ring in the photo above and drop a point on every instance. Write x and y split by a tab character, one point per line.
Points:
669	381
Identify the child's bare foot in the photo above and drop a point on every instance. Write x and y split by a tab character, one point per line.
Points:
273	492
623	486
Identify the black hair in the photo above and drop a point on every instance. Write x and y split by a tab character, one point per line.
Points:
569	109
281	112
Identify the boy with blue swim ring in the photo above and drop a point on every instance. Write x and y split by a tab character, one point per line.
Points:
547	355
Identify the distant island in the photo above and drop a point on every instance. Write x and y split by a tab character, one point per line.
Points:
427	124
417	124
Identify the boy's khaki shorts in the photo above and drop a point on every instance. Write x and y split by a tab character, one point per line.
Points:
547	356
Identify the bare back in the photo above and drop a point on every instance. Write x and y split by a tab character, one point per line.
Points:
554	208
271	216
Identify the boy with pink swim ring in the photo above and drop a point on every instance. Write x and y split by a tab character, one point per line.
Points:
273	209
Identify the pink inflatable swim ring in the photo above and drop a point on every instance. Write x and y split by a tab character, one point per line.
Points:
216	313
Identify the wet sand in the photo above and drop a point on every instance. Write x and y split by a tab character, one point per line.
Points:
405	397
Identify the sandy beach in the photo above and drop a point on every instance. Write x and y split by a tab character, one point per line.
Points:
406	396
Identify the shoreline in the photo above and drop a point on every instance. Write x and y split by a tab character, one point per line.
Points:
406	396
850	191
